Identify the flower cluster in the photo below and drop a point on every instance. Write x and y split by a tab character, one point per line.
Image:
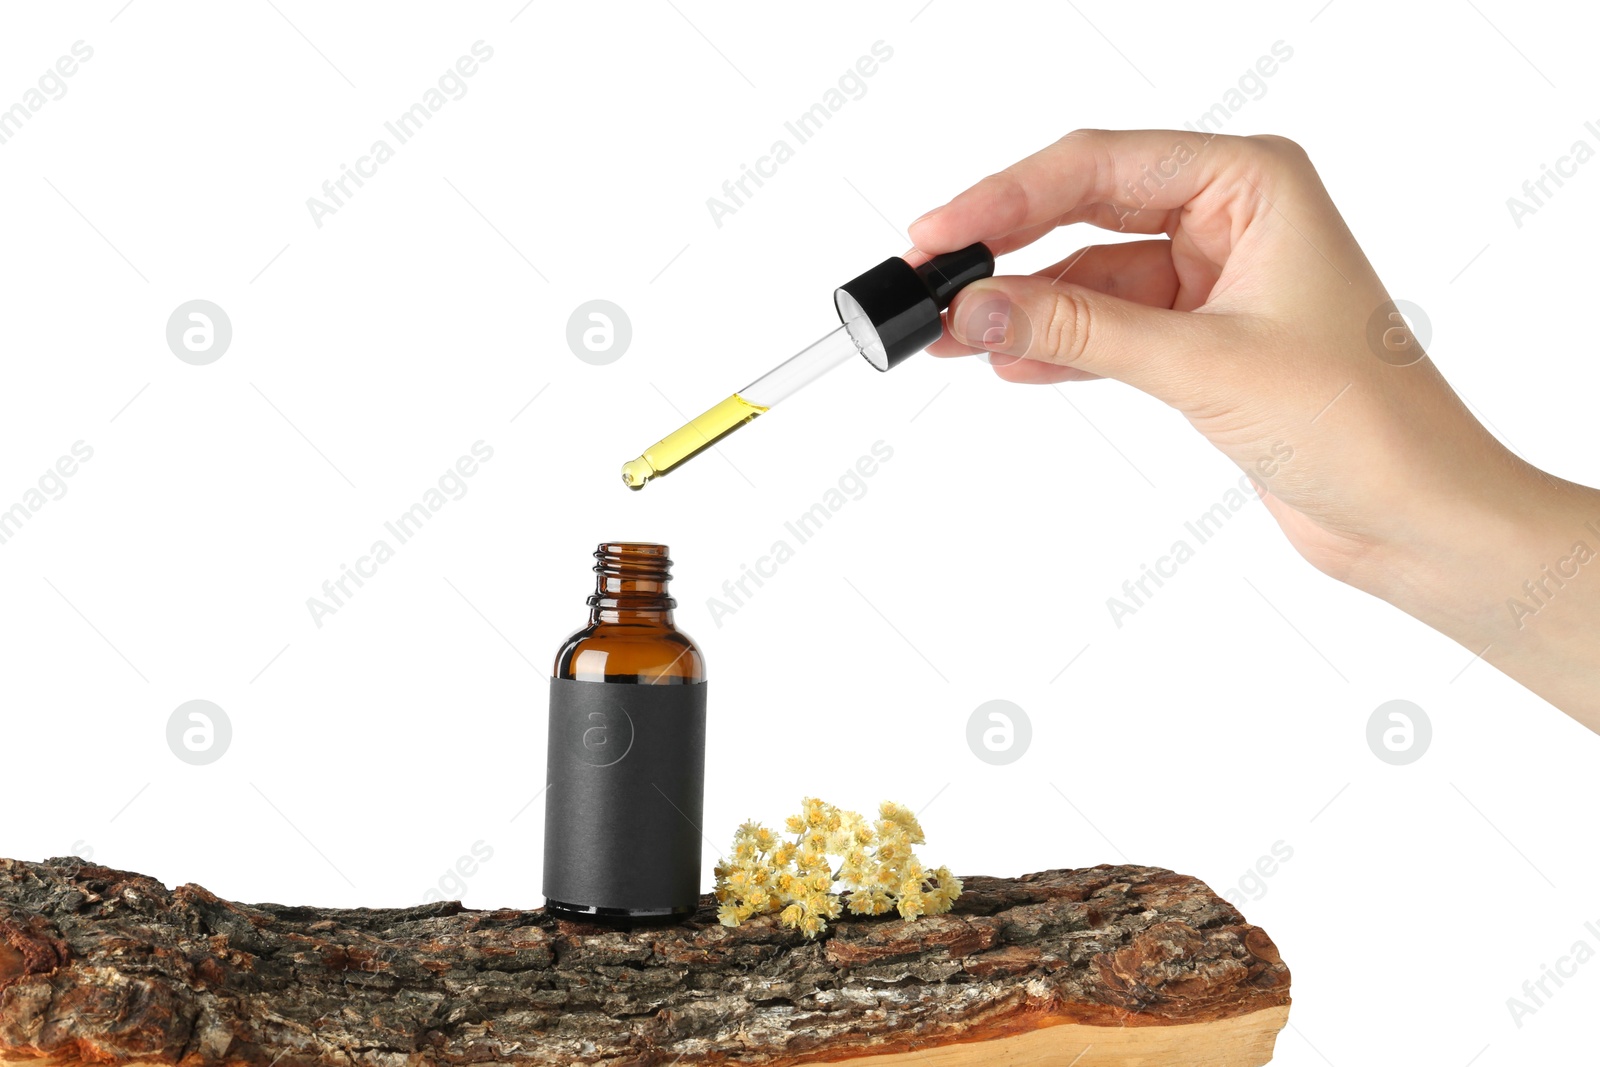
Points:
837	861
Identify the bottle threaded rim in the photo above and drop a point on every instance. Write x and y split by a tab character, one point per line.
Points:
632	575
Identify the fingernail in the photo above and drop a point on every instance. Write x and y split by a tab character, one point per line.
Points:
983	319
986	318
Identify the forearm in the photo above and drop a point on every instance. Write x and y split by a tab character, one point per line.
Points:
1514	576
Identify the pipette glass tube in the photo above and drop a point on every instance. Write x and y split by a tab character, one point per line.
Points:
760	396
888	313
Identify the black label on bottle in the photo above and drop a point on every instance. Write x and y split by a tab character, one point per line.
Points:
626	785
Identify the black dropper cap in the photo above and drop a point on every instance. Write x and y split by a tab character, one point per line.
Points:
893	309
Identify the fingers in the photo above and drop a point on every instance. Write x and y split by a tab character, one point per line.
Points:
1098	176
1177	356
947	346
998	245
1032	372
1139	312
1140	271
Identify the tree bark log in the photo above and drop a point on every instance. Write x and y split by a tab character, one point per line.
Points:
1137	963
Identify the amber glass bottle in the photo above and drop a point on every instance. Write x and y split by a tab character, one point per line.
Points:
626	764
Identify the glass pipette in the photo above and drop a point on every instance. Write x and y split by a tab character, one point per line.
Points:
886	315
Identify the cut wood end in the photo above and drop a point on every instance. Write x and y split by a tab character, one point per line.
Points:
1242	1041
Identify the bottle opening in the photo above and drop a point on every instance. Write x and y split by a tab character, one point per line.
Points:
632	576
633	559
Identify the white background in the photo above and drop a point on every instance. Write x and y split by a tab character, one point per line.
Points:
368	354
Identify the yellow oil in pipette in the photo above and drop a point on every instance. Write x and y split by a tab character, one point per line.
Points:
757	398
885	315
689	440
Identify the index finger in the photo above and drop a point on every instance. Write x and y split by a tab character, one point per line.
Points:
1133	180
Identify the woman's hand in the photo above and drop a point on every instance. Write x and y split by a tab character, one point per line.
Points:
1257	316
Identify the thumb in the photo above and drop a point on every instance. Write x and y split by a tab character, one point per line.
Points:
1157	350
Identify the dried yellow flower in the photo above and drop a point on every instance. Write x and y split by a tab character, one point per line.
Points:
877	871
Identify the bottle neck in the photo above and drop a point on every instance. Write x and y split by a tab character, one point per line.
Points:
631	585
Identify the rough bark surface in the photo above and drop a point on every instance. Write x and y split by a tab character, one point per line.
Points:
104	966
